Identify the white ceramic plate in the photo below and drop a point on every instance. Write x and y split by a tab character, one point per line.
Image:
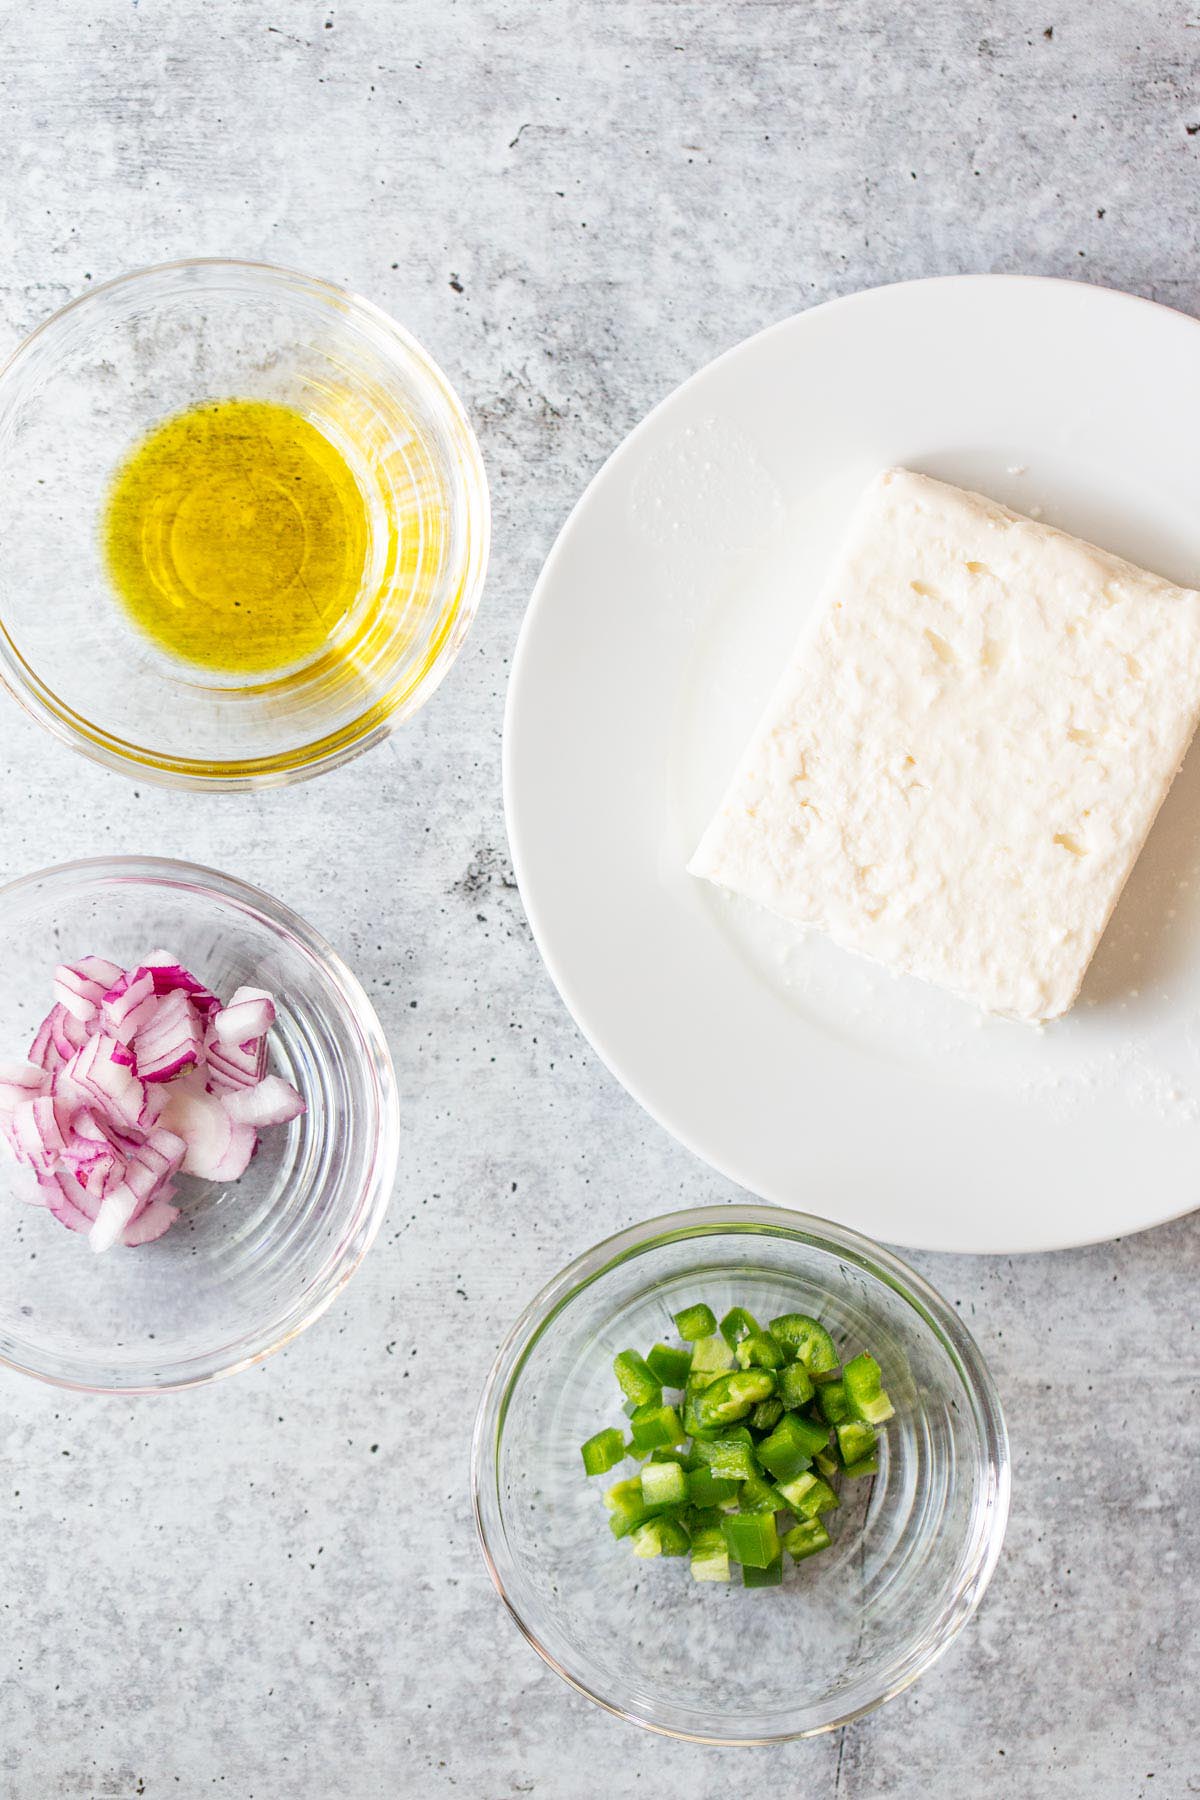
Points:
657	630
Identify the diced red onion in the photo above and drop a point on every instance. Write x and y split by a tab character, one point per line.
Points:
171	977
69	1202
129	1004
44	1051
81	986
68	1034
233	1066
250	1013
172	1041
157	1216
19	1081
134	1076
36	1135
116	1210
272	1102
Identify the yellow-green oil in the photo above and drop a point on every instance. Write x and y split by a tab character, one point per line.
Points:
236	537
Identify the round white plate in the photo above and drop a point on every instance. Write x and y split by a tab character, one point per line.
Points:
656	632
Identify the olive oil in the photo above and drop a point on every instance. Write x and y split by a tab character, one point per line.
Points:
236	537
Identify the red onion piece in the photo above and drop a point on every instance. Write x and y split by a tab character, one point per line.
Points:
172	977
20	1081
115	1212
233	1066
273	1102
67	1034
44	1051
36	1135
129	1004
172	1041
156	1217
250	1013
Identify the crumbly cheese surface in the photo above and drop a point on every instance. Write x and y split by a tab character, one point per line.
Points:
963	759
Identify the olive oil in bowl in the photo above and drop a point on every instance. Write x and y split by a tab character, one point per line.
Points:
236	538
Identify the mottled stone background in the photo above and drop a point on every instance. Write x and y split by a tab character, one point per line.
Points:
574	205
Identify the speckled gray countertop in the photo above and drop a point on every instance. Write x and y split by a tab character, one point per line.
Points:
574	204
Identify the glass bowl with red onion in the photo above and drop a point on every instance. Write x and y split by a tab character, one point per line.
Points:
199	1125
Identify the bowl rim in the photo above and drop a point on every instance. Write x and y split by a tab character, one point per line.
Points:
37	698
95	872
984	1540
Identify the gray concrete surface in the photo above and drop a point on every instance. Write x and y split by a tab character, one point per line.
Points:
574	206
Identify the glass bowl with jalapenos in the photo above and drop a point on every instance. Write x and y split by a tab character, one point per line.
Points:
740	1475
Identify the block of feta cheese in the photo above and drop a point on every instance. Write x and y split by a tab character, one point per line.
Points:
961	763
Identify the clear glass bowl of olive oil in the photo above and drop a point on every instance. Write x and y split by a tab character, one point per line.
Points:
245	524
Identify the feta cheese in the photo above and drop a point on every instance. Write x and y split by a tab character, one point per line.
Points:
961	764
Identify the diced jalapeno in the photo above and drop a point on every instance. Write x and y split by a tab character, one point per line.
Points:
795	1385
652	1425
637	1379
865	1398
750	1440
664	1484
603	1452
761	1350
751	1538
670	1367
856	1441
806	1341
771	1576
805	1539
695	1322
733	1396
736	1325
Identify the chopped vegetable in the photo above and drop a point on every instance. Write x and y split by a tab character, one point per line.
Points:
706	1489
806	1539
711	1355
637	1379
710	1558
865	1398
856	1441
760	1351
791	1445
751	1538
751	1442
736	1325
671	1367
766	1414
664	1484
128	1086
695	1322
771	1576
757	1495
795	1385
832	1402
654	1424
603	1452
730	1456
806	1342
731	1397
808	1495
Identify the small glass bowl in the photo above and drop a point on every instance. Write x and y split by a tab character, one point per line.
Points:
83	391
913	1548
246	1266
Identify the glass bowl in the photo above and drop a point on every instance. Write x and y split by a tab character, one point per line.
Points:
246	1266
913	1549
85	389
